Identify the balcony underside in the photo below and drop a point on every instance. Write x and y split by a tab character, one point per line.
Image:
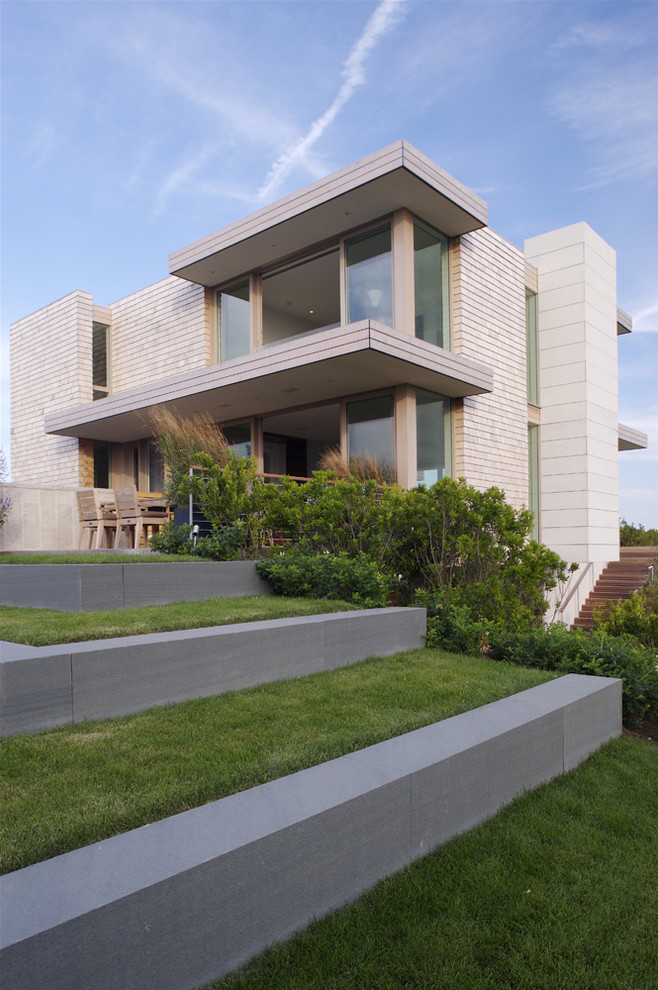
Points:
313	368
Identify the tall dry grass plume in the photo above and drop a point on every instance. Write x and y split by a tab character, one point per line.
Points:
363	467
180	439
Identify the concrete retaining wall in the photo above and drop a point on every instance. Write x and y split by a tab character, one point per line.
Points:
42	687
183	901
85	587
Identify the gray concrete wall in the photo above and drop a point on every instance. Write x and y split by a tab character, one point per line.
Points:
42	687
183	901
85	587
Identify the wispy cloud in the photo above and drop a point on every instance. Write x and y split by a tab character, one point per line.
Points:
385	16
645	320
606	94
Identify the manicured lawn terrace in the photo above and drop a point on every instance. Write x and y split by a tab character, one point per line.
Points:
68	787
45	627
557	892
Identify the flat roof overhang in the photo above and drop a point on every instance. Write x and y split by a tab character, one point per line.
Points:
309	369
630	439
394	178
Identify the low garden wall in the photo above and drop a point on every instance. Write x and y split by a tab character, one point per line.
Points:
183	901
86	587
47	686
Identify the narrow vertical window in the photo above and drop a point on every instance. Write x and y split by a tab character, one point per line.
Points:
431	286
156	467
531	346
433	435
100	350
234	321
102	464
533	477
369	277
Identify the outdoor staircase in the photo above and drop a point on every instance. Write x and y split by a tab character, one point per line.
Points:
618	580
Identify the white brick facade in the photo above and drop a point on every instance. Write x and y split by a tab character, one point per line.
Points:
50	355
488	324
158	332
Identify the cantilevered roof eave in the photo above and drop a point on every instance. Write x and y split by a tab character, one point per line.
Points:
317	368
396	177
629	438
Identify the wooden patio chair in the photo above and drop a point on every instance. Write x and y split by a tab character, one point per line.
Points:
135	518
97	515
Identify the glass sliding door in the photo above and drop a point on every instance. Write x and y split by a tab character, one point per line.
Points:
371	433
239	439
234	330
431	287
433	432
369	277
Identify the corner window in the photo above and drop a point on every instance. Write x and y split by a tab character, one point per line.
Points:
369	277
234	330
531	346
431	285
100	351
433	435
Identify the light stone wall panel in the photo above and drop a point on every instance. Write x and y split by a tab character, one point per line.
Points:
51	369
488	323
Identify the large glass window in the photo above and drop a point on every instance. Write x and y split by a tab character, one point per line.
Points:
239	439
100	360
301	297
433	434
533	477
156	467
431	286
234	321
370	431
531	346
369	277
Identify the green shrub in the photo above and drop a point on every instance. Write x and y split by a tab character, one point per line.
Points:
579	652
636	616
172	539
223	542
296	574
453	537
450	625
330	515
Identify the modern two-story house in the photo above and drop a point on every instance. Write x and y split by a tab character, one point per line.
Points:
374	311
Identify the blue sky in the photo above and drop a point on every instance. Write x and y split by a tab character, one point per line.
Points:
133	128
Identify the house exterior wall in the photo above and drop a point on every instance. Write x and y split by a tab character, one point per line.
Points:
51	369
577	346
158	332
490	439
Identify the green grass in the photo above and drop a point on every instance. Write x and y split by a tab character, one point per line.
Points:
557	892
97	558
45	627
69	787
